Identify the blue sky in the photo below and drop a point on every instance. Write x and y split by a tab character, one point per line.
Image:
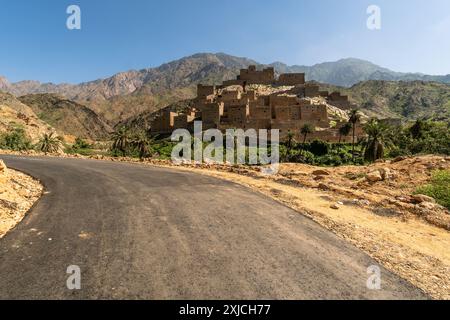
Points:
119	35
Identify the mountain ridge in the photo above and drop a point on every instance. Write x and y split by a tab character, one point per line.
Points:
130	93
372	72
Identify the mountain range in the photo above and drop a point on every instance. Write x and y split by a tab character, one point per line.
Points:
206	66
126	95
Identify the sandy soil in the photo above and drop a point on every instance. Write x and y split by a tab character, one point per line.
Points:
18	193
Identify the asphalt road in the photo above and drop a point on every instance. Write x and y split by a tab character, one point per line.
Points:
138	232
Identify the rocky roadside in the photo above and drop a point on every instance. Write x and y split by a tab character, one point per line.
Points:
18	193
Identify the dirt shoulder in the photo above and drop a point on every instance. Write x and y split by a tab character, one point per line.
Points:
18	193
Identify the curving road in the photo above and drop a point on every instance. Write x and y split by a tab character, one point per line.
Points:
148	233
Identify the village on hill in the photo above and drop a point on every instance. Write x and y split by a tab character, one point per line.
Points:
257	99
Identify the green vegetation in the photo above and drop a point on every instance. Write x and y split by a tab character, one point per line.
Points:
121	142
49	143
82	147
422	137
306	130
141	143
344	131
439	188
133	144
355	117
16	139
383	141
376	137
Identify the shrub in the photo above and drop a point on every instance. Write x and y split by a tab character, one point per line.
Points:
16	139
81	144
439	188
319	147
329	160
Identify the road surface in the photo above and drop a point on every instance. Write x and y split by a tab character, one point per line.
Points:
138	232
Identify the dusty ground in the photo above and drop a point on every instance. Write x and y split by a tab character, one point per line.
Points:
18	193
411	239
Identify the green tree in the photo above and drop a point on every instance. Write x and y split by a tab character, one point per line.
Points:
354	118
376	132
121	141
344	131
290	141
305	131
49	143
141	142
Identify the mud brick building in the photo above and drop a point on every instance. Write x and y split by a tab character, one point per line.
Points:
257	99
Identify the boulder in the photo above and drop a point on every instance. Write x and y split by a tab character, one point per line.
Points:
398	159
404	199
420	198
428	205
374	176
3	172
335	206
323	186
321	172
386	173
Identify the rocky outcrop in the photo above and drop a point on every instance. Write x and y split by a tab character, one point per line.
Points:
3	172
374	176
420	198
18	193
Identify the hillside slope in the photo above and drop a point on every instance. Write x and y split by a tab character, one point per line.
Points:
67	116
14	114
400	99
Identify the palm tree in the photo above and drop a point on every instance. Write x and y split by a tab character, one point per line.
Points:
344	131
305	130
376	132
48	143
355	117
121	140
142	144
290	140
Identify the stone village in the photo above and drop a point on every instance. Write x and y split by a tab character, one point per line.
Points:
257	99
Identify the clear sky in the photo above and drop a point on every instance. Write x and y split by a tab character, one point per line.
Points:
118	35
